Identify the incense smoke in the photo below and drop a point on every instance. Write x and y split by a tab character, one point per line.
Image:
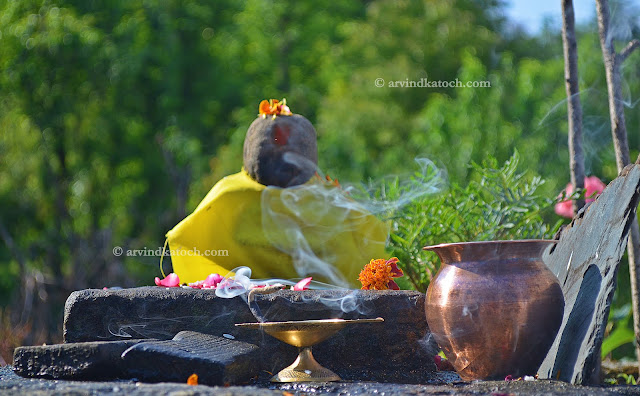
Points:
307	221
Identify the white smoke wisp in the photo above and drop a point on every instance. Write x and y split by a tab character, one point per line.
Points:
390	194
238	282
308	221
351	302
624	20
160	326
297	217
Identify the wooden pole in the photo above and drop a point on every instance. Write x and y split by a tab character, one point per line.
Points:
574	108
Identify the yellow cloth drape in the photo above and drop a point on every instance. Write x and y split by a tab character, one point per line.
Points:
309	230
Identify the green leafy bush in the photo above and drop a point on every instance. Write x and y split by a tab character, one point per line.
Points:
619	331
499	203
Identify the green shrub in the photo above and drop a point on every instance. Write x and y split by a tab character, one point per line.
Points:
499	203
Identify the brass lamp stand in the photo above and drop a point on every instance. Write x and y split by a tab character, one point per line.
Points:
304	334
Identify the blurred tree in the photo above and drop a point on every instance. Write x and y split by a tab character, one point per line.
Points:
106	110
51	223
367	131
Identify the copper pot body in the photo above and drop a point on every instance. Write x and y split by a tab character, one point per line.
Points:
494	307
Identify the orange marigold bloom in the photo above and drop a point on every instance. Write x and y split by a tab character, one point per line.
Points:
379	274
274	107
193	379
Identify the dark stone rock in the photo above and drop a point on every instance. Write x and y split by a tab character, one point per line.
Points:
149	312
216	360
401	347
13	385
397	306
281	151
585	260
85	360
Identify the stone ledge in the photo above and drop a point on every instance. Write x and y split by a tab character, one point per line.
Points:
402	344
84	360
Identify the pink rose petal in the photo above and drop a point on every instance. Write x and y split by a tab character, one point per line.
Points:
197	285
303	284
171	280
438	361
213	280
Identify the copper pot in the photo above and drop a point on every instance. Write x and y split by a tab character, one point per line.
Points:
494	307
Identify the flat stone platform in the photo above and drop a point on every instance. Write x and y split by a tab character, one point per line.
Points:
13	385
400	349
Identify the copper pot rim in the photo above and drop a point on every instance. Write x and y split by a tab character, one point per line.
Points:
499	242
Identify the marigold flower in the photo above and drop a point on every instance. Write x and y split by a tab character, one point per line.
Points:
193	379
274	107
593	187
327	180
379	274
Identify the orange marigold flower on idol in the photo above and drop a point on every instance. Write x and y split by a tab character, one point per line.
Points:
274	107
379	274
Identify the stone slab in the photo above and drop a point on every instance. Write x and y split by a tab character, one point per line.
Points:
401	347
443	384
149	312
85	360
216	360
585	260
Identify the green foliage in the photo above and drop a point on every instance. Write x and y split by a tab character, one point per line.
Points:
621	379
611	381
498	203
622	334
628	379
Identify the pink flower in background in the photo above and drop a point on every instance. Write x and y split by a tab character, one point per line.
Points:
303	284
593	187
171	280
